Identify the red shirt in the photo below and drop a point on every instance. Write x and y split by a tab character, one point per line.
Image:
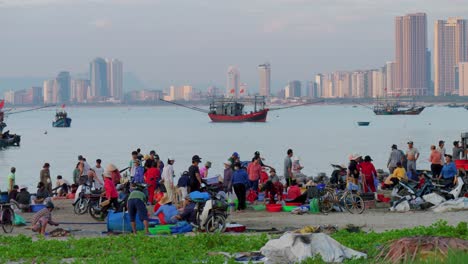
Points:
368	169
152	175
254	171
111	191
293	192
115	177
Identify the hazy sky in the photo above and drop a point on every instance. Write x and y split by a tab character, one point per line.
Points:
194	41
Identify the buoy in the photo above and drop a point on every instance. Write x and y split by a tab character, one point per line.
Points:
45	132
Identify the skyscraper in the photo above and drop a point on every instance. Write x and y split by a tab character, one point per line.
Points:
233	82
319	85
48	89
450	48
115	78
391	72
98	78
79	90
410	55
265	79
63	82
293	89
463	78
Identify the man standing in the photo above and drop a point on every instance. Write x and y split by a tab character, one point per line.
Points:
435	160
194	175
99	172
86	166
168	179
11	179
456	151
395	156
45	177
288	167
441	149
136	204
132	163
412	155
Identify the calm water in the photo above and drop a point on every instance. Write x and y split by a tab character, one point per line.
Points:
319	135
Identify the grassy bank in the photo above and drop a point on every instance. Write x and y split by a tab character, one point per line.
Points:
193	249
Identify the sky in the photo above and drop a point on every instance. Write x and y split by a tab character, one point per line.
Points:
166	42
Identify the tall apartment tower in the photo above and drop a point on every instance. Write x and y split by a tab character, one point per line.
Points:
115	78
450	48
233	82
265	79
48	89
411	55
98	78
63	82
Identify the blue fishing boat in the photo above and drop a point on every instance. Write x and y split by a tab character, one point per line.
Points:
61	119
363	123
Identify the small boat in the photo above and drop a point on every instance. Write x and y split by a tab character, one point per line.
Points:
363	123
232	110
61	119
455	105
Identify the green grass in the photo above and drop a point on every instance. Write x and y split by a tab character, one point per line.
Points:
194	249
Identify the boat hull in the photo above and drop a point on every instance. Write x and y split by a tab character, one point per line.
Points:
63	122
12	140
414	111
363	123
259	116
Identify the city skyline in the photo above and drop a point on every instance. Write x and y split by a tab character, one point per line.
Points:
300	38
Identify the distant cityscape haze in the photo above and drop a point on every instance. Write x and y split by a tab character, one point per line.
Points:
194	42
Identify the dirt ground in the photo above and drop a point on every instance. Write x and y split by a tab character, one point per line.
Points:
376	219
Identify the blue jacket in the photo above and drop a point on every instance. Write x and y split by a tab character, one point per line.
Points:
169	212
240	176
449	170
139	176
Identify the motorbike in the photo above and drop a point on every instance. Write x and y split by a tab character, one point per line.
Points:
83	198
98	208
338	176
211	214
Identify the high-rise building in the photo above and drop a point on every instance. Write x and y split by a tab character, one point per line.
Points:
390	84
265	79
187	92
293	89
98	78
450	48
35	93
62	88
9	97
319	85
79	90
378	84
463	78
233	82
358	86
115	78
49	89
410	55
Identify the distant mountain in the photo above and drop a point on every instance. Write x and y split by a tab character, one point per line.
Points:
130	82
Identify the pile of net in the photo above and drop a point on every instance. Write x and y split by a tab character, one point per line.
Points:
59	232
408	249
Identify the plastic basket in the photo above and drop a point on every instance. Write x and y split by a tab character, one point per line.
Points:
274	208
289	208
260	207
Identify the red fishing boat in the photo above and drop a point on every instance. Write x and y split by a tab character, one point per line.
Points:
232	110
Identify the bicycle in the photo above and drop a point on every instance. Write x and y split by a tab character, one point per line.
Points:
7	217
349	200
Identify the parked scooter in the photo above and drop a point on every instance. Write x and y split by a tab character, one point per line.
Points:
212	213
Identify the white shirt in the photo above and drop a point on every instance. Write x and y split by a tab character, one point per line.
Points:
442	152
168	173
99	172
86	168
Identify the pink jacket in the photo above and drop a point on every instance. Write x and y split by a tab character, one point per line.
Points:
111	191
254	171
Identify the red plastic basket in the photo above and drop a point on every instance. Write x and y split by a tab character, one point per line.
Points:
461	164
274	208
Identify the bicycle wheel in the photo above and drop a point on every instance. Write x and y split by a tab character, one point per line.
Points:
81	206
354	203
326	203
8	218
215	223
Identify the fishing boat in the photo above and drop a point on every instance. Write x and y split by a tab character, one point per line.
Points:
61	118
232	110
7	139
395	106
454	105
363	123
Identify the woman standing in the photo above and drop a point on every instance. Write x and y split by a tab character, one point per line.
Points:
45	177
436	161
368	174
239	181
151	178
168	178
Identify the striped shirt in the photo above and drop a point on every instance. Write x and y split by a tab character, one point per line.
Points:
42	213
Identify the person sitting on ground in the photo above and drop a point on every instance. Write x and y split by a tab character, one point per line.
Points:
43	218
273	187
13	192
62	186
23	198
295	195
422	181
42	194
399	174
449	171
188	214
136	204
168	211
157	197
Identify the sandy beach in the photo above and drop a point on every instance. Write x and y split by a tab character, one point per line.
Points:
379	220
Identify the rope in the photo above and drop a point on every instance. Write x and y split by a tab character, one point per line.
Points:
33	109
189	107
292	106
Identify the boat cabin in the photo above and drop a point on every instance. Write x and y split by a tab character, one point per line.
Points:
60	114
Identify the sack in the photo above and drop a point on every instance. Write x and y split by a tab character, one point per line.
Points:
19	220
105	203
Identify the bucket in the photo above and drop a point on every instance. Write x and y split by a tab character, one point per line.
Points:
4	197
460	164
37	207
314	207
120	222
